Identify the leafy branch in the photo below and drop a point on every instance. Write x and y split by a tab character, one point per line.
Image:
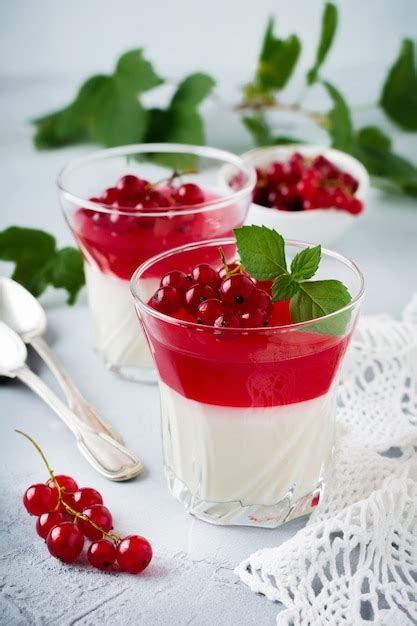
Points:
369	144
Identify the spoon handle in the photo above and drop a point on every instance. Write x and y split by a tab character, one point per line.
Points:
107	456
75	400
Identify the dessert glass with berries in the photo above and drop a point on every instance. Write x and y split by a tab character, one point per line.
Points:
124	205
248	396
307	192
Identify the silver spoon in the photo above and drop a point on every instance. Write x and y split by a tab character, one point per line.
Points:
23	313
108	457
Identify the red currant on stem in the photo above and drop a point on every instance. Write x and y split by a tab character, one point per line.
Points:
40	499
196	295
65	541
85	497
101	554
176	279
102	519
236	290
206	275
208	311
134	553
167	300
46	521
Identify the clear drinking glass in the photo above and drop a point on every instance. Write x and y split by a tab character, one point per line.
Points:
247	414
115	239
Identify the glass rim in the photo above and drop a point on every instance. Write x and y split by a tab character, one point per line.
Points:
228	158
231	240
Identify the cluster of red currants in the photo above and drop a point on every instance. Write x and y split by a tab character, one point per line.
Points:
303	184
225	298
132	192
67	515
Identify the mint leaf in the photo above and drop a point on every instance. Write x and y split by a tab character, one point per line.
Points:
328	31
277	60
399	93
38	263
261	251
340	123
284	288
318	298
106	109
305	264
373	148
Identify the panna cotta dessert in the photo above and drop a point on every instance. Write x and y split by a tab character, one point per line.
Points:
248	351
126	205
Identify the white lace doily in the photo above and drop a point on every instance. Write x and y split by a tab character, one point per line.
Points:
355	562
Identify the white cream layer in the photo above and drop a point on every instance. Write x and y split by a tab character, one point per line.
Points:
117	331
251	455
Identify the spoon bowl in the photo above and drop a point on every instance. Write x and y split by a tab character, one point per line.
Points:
13	352
20	310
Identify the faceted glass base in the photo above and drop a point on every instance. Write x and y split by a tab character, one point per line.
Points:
234	513
144	375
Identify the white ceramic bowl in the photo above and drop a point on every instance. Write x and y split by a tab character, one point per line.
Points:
317	226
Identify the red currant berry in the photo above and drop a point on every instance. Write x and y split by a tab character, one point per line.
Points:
134	553
40	499
275	173
254	318
167	300
206	275
101	554
189	194
46	521
130	185
67	483
154	200
196	295
176	279
349	181
227	320
209	311
260	299
98	514
85	497
355	206
65	541
110	196
236	290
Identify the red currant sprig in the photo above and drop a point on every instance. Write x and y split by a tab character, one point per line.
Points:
66	517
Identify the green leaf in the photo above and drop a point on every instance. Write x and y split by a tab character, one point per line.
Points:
261	251
136	72
66	271
305	264
328	31
399	93
119	118
38	262
340	123
284	288
193	90
259	129
277	60
373	148
106	109
181	122
318	298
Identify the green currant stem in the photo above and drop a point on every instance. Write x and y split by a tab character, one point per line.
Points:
66	506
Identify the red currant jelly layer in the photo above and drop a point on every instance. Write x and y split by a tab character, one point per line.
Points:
216	362
118	242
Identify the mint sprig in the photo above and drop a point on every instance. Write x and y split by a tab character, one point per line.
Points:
262	253
39	263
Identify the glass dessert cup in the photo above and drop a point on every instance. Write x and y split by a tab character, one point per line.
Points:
115	239
247	414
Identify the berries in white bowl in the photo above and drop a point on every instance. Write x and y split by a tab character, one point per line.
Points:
307	192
